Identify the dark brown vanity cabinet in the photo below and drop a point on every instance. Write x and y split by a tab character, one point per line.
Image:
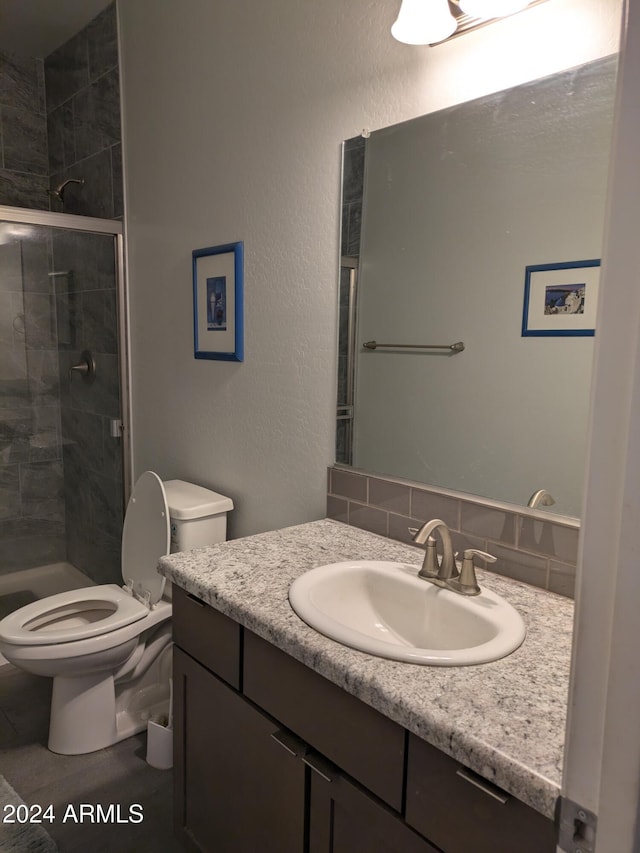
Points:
270	756
240	789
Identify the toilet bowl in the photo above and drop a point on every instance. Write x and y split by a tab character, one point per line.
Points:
107	647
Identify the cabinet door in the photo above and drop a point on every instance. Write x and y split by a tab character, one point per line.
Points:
236	789
344	818
461	812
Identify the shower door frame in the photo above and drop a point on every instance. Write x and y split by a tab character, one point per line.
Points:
113	227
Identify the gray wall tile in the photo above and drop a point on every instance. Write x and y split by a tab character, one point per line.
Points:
338	509
550	538
489	522
562	578
394	497
368	518
518	565
371	502
426	505
348	485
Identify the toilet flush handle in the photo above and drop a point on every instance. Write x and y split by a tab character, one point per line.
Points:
86	367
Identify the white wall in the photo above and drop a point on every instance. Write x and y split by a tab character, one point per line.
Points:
233	118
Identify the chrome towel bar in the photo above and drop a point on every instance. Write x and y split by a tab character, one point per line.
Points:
457	347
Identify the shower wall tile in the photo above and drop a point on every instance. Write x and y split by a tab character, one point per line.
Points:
9	491
25	544
24	141
35	258
18	190
84	124
98	321
42	490
93	552
11	267
61	138
102	41
88	445
96	112
21	82
106	509
23	137
116	174
26	440
66	70
352	194
40	321
541	553
100	397
88	258
14	439
111	452
42	369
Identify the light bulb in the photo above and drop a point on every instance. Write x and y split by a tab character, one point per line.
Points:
423	22
492	8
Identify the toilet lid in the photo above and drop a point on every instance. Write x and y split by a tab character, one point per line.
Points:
146	536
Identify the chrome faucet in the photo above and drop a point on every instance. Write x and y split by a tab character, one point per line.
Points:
540	498
438	572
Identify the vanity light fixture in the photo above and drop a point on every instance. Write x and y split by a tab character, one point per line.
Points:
423	22
485	9
433	21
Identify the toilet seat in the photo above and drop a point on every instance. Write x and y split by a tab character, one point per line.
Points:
81	614
74	615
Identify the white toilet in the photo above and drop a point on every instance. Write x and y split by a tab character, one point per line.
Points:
107	647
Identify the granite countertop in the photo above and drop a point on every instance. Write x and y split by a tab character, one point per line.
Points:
505	720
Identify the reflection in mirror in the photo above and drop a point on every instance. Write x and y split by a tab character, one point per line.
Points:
441	217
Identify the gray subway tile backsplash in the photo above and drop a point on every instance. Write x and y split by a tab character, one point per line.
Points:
393	497
369	518
349	485
539	552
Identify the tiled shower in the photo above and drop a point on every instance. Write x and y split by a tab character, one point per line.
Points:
60	451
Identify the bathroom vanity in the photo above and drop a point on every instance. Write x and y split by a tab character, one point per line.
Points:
288	741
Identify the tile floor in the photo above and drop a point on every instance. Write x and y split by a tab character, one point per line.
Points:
118	775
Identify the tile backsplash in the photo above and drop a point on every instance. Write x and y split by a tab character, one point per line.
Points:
539	551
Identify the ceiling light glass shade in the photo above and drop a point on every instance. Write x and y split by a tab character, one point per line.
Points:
423	22
492	8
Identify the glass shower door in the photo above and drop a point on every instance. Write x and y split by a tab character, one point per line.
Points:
62	471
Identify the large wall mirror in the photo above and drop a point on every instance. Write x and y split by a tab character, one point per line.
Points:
442	216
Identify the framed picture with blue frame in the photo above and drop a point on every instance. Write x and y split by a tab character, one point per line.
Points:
218	273
561	299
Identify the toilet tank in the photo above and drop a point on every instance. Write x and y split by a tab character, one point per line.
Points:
198	515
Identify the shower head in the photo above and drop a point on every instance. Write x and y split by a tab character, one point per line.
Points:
58	192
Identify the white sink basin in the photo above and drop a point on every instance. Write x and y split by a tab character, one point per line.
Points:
384	609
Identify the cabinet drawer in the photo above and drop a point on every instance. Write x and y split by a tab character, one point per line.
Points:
364	743
207	635
459	811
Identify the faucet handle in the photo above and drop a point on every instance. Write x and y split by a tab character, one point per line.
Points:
431	566
467	583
